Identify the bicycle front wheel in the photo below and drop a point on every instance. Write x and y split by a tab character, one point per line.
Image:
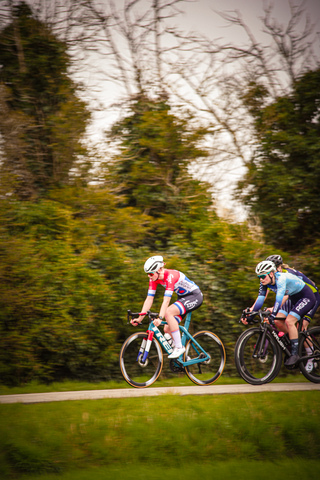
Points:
209	370
256	363
311	367
136	372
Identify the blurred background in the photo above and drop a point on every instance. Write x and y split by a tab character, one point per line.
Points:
135	128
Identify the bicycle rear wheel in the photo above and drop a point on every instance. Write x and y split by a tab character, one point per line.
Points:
136	372
208	371
253	368
313	341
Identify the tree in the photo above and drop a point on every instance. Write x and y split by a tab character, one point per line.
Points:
151	172
43	118
282	184
212	77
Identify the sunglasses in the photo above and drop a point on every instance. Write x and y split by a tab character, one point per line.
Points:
263	276
151	274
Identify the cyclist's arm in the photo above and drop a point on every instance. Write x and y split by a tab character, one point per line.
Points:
285	298
263	292
251	308
259	302
146	306
163	309
164	306
281	291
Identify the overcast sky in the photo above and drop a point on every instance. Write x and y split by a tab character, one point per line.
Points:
200	16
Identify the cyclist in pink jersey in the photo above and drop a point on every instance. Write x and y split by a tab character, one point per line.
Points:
189	298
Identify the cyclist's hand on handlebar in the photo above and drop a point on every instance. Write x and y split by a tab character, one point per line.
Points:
135	322
157	322
137	319
244	316
271	318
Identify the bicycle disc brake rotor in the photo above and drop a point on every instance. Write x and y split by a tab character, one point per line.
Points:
263	359
141	363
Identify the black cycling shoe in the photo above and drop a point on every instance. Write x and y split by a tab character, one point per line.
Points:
291	361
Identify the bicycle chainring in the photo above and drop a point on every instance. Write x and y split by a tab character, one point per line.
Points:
176	366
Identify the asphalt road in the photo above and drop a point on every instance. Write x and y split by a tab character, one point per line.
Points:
215	389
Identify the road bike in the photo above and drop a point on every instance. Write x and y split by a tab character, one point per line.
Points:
141	355
259	350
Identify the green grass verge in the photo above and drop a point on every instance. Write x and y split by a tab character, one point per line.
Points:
289	470
164	434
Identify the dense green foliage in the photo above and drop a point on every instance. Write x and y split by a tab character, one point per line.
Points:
282	183
42	119
59	437
151	172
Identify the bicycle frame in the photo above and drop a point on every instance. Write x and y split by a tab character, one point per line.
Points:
153	330
263	344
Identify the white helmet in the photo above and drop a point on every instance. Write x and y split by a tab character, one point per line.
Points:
265	267
153	264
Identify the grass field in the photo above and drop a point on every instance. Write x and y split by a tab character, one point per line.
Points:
240	470
253	436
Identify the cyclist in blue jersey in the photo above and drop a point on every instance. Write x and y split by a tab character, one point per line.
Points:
282	267
300	294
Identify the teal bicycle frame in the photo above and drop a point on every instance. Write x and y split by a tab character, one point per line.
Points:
153	330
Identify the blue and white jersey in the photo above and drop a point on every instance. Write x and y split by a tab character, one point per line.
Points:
286	284
303	277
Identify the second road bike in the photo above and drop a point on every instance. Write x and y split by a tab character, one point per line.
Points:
259	351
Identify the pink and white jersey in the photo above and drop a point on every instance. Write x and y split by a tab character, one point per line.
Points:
174	281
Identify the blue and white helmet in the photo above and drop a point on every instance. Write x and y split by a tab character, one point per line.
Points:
265	267
153	264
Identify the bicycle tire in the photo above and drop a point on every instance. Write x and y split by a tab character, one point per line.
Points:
257	371
210	370
314	342
134	371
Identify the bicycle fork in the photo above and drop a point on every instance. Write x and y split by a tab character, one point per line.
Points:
145	347
260	348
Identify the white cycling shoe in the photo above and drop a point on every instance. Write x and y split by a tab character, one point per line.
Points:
177	352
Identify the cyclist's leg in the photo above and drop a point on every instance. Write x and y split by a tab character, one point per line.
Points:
305	324
283	312
291	321
177	310
281	325
304	302
173	319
